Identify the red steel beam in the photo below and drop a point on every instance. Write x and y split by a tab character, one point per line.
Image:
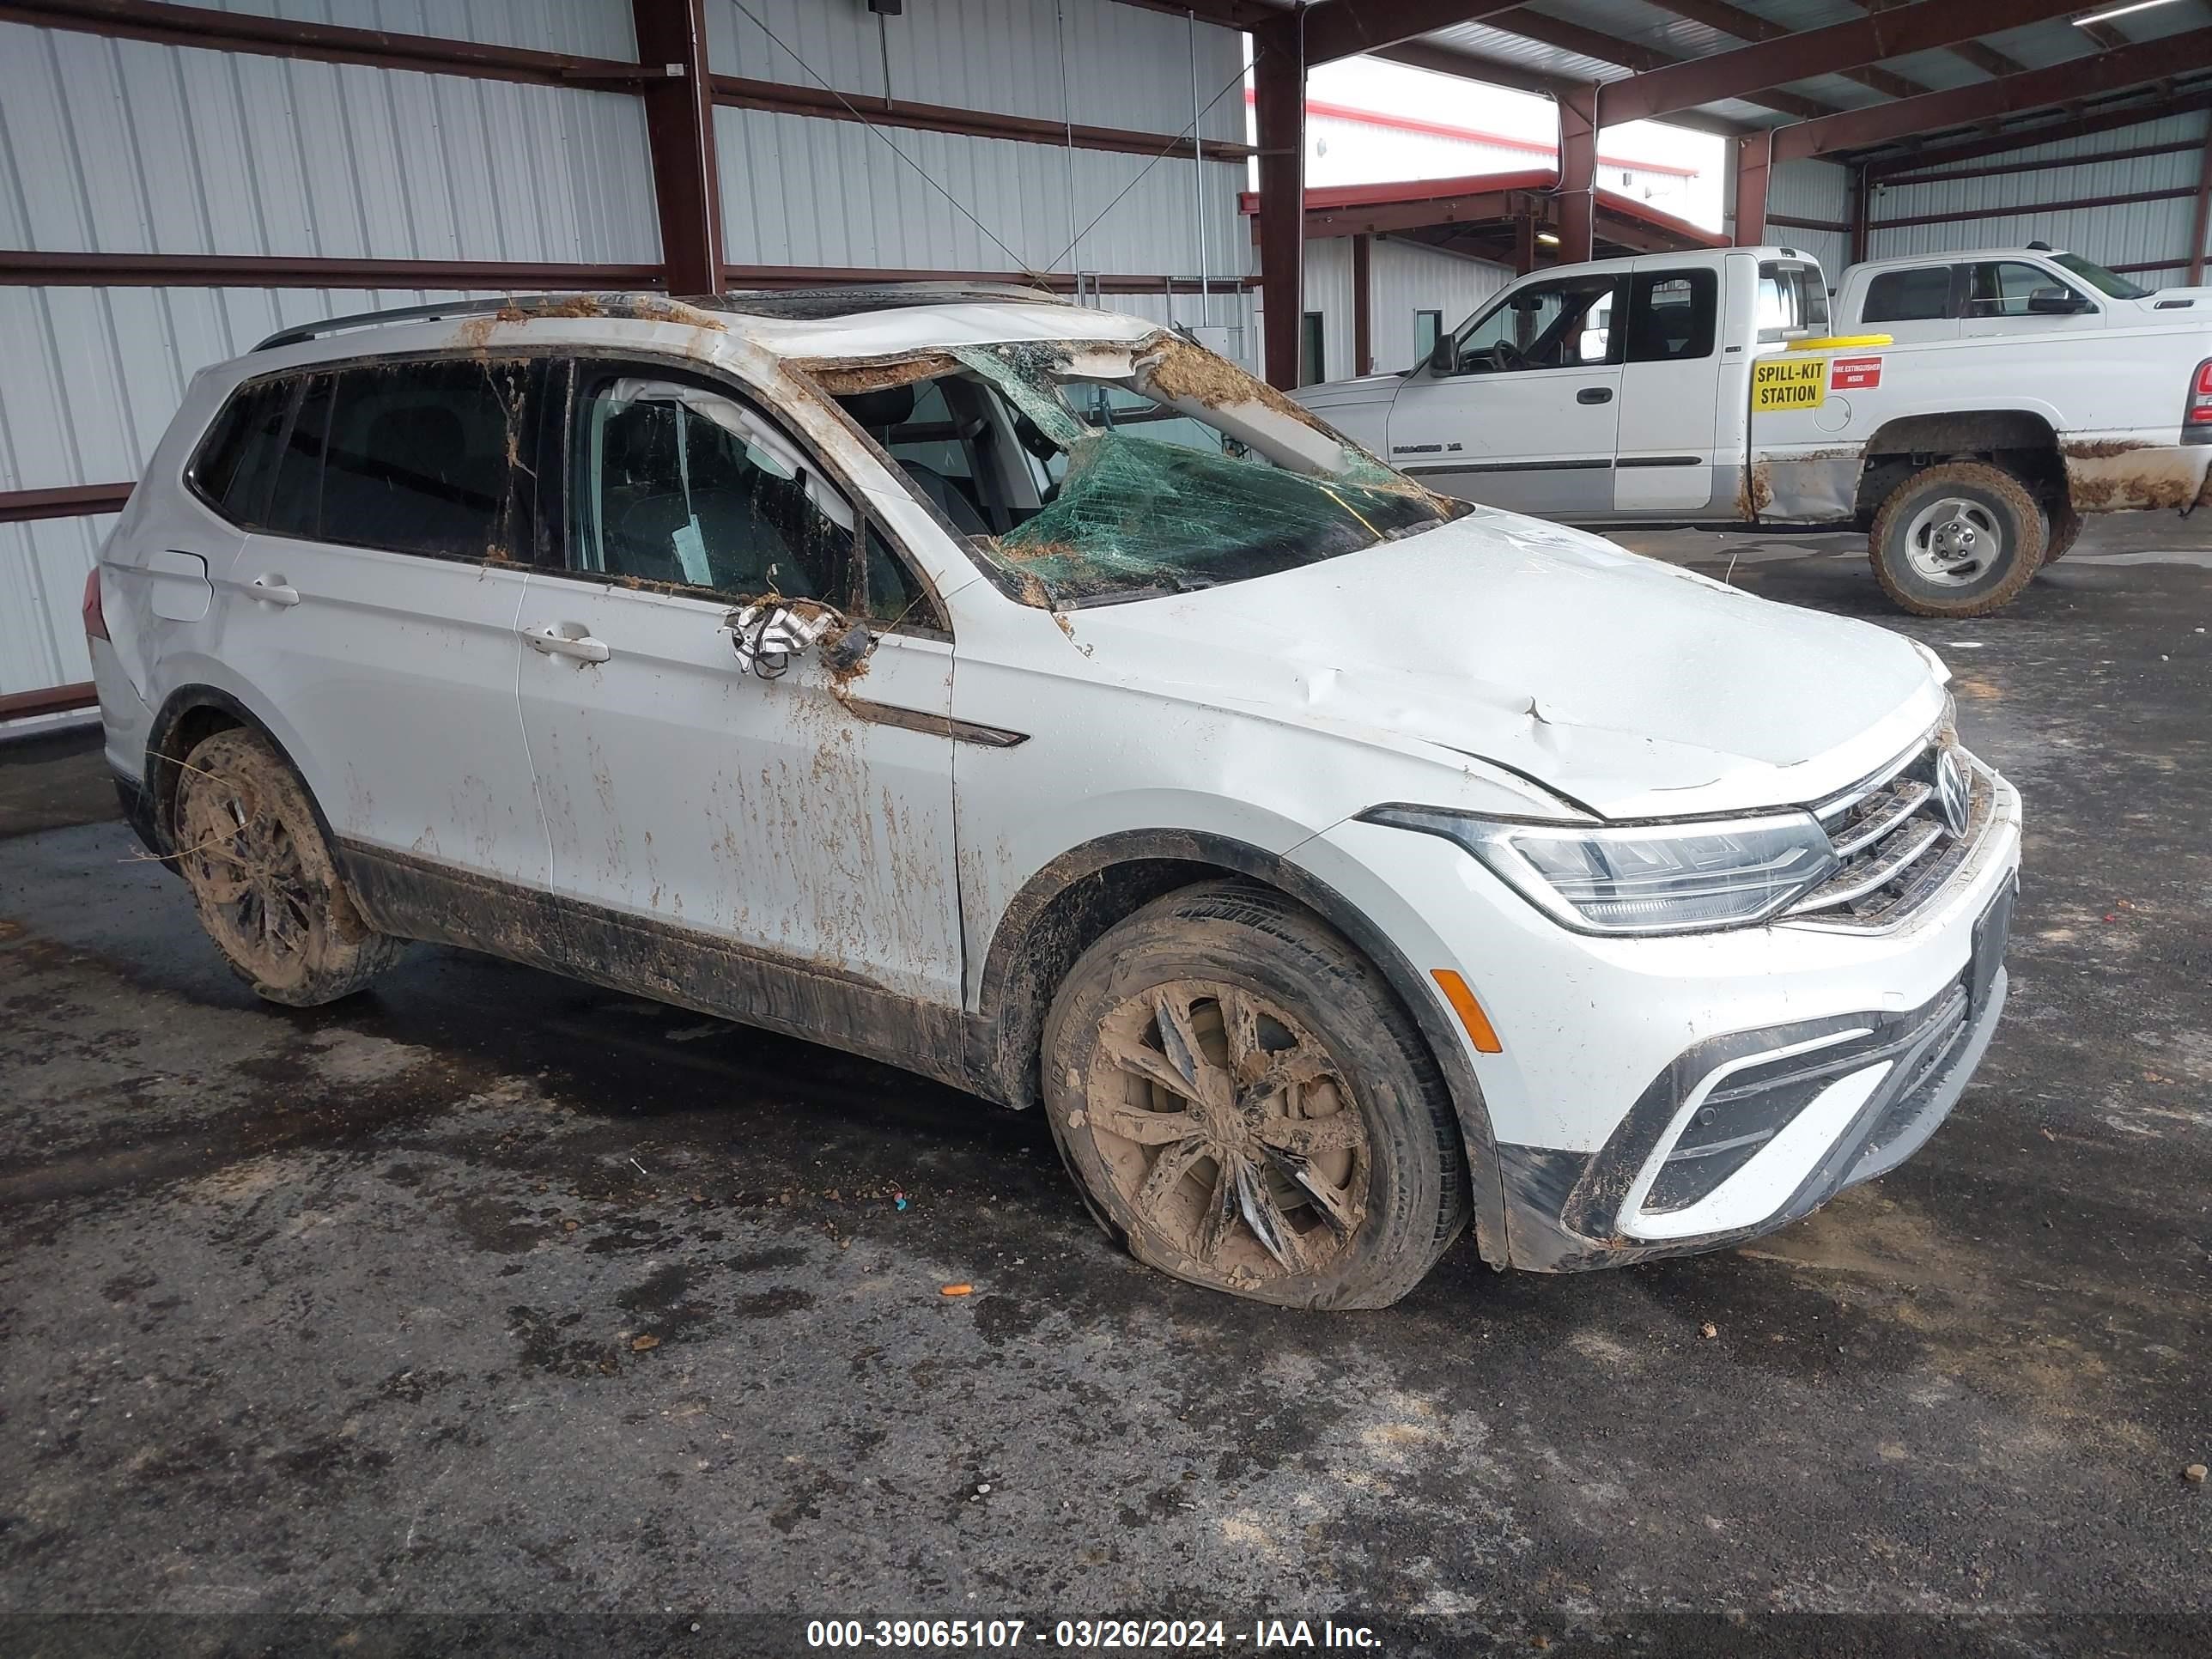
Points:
74	501
784	98
1362	306
679	129
1578	193
1753	161
277	37
1340	28
1279	82
1950	214
25	269
53	700
1987	59
2061	83
1750	26
2048	164
1794	57
2077	126
2202	221
737	277
1629	54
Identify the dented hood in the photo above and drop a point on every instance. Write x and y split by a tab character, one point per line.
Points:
1629	686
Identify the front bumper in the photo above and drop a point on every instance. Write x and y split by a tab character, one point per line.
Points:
1891	1079
1611	1048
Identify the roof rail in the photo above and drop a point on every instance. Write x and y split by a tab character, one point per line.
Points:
822	300
429	313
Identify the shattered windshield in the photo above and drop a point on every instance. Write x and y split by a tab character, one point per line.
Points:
1084	474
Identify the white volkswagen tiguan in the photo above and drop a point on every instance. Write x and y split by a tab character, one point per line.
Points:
1016	693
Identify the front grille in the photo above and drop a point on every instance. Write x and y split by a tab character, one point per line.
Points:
1898	847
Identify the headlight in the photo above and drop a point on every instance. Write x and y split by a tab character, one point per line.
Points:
1653	878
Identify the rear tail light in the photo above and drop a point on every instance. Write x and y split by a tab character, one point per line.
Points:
95	619
2200	395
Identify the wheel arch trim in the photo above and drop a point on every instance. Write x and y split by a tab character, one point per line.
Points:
1002	1024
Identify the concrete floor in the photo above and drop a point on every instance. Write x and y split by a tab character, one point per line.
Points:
488	1292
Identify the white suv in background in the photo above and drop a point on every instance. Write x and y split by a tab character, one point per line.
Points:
1018	693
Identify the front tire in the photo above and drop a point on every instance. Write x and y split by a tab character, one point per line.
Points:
263	879
1247	1107
1957	540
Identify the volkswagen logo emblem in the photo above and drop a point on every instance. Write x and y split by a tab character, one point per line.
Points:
1952	799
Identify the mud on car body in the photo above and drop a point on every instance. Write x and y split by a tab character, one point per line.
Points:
1016	693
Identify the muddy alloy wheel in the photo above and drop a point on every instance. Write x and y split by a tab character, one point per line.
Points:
1956	540
1247	1107
266	888
1228	1128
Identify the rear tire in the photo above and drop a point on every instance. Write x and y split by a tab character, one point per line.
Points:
1957	540
1247	1106
263	879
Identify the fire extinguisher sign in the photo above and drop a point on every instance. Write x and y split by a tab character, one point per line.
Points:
1854	374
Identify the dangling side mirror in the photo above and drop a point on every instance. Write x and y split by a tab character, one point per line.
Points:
1444	360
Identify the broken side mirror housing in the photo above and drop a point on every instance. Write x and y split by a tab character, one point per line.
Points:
1444	359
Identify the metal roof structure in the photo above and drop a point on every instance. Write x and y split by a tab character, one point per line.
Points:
1887	87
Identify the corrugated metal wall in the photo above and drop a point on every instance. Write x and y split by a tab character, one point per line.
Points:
1403	277
123	146
2155	234
1812	190
807	191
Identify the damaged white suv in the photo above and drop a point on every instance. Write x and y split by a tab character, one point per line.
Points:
1016	693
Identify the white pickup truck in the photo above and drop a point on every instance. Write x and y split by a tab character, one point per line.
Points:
1963	409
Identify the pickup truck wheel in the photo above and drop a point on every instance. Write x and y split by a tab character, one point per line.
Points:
1957	540
1247	1107
267	890
2062	524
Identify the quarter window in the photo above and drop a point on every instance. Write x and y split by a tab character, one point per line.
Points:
238	457
1674	314
1919	295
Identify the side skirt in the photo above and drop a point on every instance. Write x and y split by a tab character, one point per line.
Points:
420	898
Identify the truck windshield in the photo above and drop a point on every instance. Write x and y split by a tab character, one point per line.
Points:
1085	475
2119	287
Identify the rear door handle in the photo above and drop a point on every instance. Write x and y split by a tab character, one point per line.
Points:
1595	394
571	639
273	590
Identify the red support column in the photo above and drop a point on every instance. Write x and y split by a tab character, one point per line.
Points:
2202	222
1753	158
1278	87
1578	174
679	128
1862	211
1363	303
1524	244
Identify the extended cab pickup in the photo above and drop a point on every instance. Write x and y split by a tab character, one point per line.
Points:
1965	409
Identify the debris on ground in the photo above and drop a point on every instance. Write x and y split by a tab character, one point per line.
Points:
1709	1329
2194	1474
958	1290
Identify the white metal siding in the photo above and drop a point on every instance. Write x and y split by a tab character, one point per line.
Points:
1812	190
1126	66
585	28
804	190
2129	235
1402	278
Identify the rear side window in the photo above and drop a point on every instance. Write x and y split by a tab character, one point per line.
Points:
238	458
1919	295
419	456
1672	314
